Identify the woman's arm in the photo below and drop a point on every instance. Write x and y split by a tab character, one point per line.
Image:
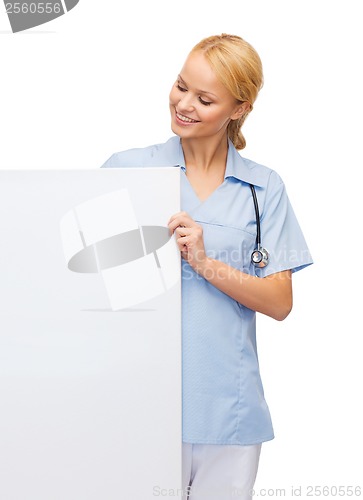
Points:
271	295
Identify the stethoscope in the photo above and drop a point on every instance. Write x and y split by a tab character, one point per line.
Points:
259	256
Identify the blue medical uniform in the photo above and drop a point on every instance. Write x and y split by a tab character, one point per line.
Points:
223	397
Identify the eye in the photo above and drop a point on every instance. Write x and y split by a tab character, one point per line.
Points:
182	89
205	103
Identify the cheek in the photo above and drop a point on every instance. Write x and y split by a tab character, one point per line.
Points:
173	98
209	115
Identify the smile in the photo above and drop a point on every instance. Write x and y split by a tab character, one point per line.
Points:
185	119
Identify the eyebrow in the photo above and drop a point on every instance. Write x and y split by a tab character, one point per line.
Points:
200	91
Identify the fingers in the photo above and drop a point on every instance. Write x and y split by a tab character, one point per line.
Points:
181	219
179	214
189	237
183	237
181	231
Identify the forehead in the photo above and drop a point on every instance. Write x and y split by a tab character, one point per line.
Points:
199	75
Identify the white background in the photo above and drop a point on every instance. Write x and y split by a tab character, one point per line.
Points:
96	81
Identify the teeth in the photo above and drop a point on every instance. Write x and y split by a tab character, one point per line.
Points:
185	119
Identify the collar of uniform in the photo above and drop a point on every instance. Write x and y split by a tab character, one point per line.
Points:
243	169
238	167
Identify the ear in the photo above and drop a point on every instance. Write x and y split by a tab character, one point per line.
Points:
241	109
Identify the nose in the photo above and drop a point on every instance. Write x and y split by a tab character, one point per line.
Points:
186	102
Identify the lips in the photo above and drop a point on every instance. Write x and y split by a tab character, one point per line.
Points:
185	120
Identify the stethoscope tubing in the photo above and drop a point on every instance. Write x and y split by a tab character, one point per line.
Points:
260	256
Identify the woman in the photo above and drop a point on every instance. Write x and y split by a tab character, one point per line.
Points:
225	415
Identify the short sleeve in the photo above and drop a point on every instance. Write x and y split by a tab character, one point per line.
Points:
137	157
128	158
111	162
281	234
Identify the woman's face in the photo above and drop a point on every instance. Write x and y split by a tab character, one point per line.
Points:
200	105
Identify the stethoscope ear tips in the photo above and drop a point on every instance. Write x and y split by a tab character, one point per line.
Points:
260	257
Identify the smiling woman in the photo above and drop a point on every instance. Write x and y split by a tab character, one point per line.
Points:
201	106
204	82
225	415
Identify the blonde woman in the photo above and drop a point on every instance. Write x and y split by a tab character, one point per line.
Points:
223	197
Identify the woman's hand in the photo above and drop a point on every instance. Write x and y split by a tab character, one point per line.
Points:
189	237
271	295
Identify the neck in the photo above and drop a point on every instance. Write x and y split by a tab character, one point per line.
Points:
206	154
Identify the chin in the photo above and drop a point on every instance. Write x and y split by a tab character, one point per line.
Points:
181	131
174	127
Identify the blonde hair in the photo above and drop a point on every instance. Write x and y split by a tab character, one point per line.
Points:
239	68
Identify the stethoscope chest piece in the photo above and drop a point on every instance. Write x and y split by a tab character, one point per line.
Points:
260	257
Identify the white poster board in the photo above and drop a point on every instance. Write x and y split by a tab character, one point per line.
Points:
90	334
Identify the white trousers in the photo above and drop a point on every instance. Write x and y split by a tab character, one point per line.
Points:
219	472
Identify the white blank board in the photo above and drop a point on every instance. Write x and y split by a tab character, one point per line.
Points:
90	396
